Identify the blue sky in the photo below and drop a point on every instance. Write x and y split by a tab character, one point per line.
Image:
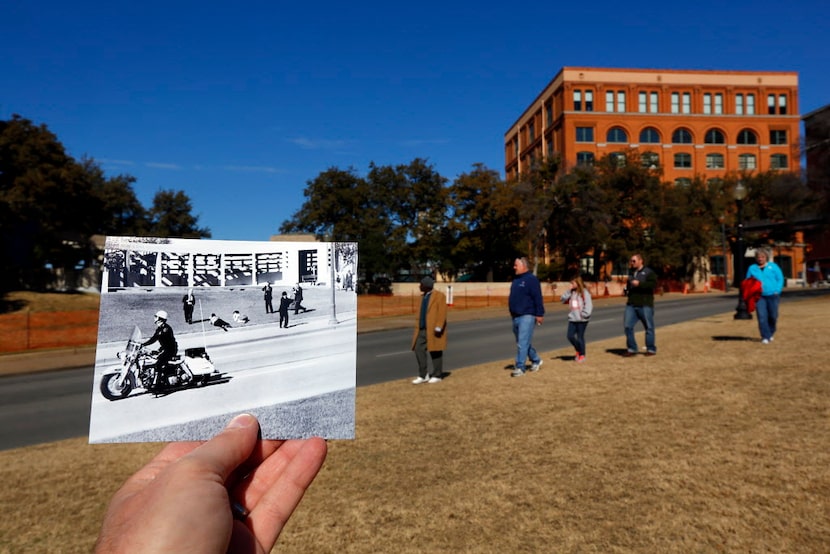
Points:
241	105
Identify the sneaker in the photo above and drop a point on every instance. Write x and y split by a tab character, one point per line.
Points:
651	353
419	380
517	373
772	338
536	366
764	341
434	380
580	359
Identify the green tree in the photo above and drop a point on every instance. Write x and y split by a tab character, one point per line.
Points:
344	207
171	215
416	198
483	226
48	207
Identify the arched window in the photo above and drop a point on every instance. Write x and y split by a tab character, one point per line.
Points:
747	161
650	135
585	158
681	136
747	136
616	134
713	136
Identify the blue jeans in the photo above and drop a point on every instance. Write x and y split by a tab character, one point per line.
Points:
767	308
644	314
576	335
523	327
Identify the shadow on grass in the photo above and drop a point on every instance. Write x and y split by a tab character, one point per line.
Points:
728	338
8	306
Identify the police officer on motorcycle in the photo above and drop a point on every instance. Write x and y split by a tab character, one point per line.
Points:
167	344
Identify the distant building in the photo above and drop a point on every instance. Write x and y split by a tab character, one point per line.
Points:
687	122
817	150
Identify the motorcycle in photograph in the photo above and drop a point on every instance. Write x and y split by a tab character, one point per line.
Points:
139	370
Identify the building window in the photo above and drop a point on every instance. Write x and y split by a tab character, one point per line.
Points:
714	161
549	114
771	104
647	102
618	158
585	158
681	136
516	146
675	102
682	161
778	136
687	102
610	105
616	134
713	136
718	103
584	100
778	161
747	161
707	103
584	134
682	182
531	132
745	136
650	160
650	135
782	104
739	104
717	265
750	104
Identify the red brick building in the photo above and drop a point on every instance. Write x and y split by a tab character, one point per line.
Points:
688	122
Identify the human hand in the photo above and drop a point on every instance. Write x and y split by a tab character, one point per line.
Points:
182	499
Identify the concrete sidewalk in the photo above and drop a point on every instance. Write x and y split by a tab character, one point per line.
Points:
34	361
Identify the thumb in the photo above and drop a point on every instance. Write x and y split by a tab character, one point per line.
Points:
230	448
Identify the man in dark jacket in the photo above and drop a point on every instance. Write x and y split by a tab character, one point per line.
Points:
640	306
527	309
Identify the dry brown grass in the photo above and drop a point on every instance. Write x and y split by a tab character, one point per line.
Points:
711	446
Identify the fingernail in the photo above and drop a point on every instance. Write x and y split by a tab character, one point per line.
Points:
242	420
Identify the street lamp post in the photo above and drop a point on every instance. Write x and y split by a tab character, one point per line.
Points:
740	310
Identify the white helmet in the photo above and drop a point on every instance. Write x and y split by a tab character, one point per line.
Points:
161	314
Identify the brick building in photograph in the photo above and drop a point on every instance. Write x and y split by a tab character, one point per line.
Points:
686	122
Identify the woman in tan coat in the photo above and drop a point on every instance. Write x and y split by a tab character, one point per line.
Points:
430	333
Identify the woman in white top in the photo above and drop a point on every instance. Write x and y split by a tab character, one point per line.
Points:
579	300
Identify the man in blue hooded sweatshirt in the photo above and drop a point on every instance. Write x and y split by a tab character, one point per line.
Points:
527	310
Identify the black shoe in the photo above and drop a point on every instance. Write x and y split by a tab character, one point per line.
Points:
650	353
629	354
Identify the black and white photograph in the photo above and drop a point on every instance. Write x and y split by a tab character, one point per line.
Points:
188	337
